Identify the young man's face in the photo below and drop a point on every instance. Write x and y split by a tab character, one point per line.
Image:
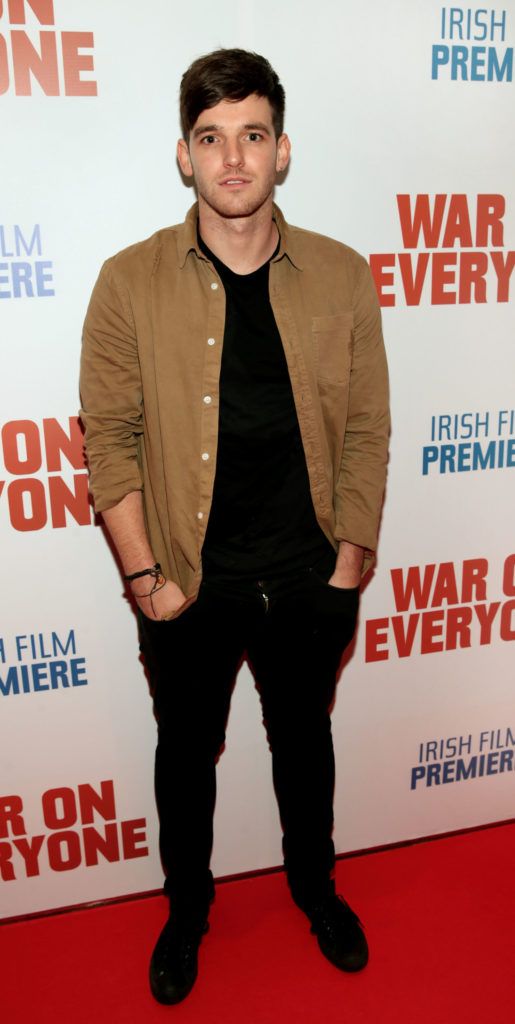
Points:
234	156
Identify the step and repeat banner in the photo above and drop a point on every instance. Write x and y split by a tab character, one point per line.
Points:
402	127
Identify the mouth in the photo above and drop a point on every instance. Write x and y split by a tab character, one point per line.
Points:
234	182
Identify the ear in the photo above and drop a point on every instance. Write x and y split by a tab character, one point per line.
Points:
183	156
283	153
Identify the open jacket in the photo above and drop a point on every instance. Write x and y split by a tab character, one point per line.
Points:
150	372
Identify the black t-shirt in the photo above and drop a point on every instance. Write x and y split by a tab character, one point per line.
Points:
262	521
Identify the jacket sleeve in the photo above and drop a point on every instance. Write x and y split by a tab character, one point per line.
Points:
361	481
111	392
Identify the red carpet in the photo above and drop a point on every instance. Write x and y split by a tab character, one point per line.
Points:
439	918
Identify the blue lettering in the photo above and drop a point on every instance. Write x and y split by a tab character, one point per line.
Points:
417	774
499	70
486	460
39	672
456	21
464	453
429	455
485	63
11	684
482	25
464	771
440	58
498	24
42	276
69	643
447	458
506	764
27	279
477	62
459	60
20	243
22	276
58	674
78	669
4	280
44	675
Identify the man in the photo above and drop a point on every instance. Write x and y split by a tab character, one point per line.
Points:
235	406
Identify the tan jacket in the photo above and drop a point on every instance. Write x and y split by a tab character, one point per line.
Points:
150	373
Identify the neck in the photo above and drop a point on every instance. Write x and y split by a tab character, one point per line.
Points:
242	243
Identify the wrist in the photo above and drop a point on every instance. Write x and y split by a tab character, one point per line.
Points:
145	583
150	570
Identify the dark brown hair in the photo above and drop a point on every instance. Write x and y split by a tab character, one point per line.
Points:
228	75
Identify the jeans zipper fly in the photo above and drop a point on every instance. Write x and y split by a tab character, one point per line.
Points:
265	597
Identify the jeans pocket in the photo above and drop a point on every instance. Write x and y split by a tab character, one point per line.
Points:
332	601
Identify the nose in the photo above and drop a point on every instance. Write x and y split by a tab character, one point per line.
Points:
233	153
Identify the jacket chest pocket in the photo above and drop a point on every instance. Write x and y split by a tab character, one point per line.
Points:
332	347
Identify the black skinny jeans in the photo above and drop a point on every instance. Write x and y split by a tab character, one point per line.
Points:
293	633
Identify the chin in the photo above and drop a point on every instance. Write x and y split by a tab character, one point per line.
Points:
236	207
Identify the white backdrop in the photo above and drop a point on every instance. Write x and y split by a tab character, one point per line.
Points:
404	99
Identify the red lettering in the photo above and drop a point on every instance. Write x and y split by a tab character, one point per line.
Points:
376	636
58	443
508	579
27	60
43	9
445	586
444	273
486	615
474	579
64	853
404	638
11	820
76	502
6	868
458	628
504	269
473	269
21	464
4	67
414	588
91	801
74	63
413	285
36	518
383	278
133	834
54	816
507	629
30	850
457	228
490	211
421	220
95	843
432	630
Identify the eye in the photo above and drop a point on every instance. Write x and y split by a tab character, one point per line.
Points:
208	139
254	136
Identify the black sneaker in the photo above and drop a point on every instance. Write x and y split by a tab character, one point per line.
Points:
340	933
174	963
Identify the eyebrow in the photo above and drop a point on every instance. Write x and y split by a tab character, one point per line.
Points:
255	126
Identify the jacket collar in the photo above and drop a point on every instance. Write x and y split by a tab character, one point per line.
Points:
188	241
